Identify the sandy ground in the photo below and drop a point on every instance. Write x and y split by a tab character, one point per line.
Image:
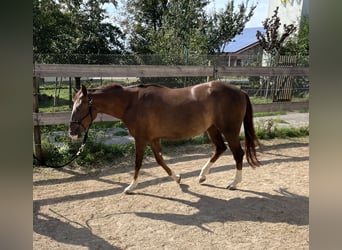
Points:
76	208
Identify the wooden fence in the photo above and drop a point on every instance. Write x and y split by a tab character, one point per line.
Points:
80	70
212	72
56	118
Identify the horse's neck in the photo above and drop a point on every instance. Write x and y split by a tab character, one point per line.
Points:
112	103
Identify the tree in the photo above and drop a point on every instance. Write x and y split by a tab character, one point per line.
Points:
183	31
272	42
273	39
53	31
95	36
140	19
225	25
74	31
299	44
64	28
179	27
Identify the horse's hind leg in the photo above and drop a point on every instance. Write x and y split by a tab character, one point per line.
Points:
238	153
157	151
217	139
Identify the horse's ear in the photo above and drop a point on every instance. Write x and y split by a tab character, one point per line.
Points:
84	90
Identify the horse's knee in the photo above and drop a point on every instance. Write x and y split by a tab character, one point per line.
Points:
221	148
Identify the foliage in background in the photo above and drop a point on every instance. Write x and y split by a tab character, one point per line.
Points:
68	31
180	32
299	44
93	153
273	39
224	25
181	27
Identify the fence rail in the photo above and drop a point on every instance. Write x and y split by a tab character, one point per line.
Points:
56	118
80	70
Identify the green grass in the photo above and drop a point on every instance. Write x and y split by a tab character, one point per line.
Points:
273	113
282	133
97	153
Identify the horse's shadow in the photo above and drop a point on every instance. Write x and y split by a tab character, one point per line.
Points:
284	207
66	232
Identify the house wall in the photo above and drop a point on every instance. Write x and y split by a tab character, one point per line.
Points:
290	11
247	57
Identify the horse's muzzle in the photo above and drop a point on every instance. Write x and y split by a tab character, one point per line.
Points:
74	135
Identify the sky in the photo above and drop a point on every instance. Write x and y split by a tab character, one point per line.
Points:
260	13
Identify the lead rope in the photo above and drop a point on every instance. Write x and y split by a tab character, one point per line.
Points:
43	162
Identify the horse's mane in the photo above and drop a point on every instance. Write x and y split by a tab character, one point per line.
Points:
115	86
111	86
146	86
105	88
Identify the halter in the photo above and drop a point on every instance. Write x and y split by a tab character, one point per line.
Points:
90	104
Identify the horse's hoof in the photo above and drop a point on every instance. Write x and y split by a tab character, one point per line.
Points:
202	179
178	178
128	191
231	187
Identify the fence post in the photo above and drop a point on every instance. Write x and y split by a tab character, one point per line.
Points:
70	93
211	77
36	128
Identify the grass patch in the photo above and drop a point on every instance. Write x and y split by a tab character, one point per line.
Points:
261	114
282	133
94	153
97	153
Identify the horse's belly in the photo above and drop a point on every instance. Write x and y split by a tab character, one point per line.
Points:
183	130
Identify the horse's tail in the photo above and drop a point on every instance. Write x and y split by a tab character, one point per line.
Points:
251	140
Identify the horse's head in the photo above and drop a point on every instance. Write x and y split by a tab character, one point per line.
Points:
82	113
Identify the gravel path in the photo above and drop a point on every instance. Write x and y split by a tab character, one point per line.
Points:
80	208
289	120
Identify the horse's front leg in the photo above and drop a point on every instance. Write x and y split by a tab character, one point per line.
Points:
157	151
217	139
139	155
237	179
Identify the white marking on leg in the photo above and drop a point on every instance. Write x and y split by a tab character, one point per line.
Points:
204	171
131	187
238	179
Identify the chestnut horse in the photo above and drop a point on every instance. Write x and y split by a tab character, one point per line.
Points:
153	112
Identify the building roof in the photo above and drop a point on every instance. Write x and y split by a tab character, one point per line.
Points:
243	40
